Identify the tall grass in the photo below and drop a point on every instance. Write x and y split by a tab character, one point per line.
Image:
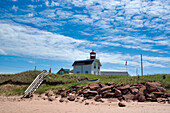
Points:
17	83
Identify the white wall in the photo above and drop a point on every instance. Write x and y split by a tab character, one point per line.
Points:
82	69
114	73
89	68
95	71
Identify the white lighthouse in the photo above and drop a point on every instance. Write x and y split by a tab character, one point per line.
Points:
89	66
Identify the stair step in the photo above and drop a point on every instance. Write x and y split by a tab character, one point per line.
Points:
35	84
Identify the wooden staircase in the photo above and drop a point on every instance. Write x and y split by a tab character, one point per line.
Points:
35	84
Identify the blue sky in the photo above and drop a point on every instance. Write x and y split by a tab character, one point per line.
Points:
55	33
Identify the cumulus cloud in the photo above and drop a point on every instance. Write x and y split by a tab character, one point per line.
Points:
27	41
126	24
33	42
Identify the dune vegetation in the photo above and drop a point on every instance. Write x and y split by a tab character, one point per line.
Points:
16	84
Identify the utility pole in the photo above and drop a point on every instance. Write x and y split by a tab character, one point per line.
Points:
141	66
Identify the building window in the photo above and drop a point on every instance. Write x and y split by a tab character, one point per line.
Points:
99	67
78	71
94	72
86	72
94	66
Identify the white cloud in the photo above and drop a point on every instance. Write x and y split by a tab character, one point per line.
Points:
30	15
15	8
30	61
33	42
27	41
47	3
2	52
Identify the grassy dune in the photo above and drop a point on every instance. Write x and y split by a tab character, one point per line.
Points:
16	84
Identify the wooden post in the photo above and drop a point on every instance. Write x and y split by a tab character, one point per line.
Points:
141	66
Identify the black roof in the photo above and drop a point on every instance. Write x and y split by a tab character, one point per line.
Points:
83	62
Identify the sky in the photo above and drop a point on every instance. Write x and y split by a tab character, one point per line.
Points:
54	33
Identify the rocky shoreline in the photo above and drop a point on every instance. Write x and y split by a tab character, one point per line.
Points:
146	92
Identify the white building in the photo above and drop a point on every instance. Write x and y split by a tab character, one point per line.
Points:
89	66
114	73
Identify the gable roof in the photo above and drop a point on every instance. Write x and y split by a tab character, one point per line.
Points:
66	70
85	62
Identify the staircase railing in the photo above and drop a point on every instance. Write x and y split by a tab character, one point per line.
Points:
35	84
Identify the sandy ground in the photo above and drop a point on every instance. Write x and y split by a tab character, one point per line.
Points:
37	105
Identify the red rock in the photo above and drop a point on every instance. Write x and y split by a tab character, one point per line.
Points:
118	93
125	91
89	93
167	94
49	93
121	104
158	93
85	87
105	88
51	98
141	98
61	100
142	90
124	87
161	89
63	94
134	91
94	86
128	97
108	91
86	103
71	97
110	84
108	95
97	97
152	86
161	100
102	85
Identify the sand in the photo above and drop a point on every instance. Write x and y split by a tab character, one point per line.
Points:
37	105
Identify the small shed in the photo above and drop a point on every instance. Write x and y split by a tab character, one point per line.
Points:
63	71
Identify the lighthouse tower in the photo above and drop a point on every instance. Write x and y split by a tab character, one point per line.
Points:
92	55
88	66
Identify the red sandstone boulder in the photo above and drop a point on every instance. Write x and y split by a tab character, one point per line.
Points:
142	90
51	98
134	91
167	94
71	97
121	104
158	93
108	95
102	85
141	98
152	86
118	93
94	86
124	87
63	94
128	97
89	93
105	88
49	93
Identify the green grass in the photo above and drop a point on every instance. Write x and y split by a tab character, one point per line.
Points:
20	81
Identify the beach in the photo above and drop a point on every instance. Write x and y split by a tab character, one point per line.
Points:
37	105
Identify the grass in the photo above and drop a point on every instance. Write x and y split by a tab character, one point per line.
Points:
16	84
